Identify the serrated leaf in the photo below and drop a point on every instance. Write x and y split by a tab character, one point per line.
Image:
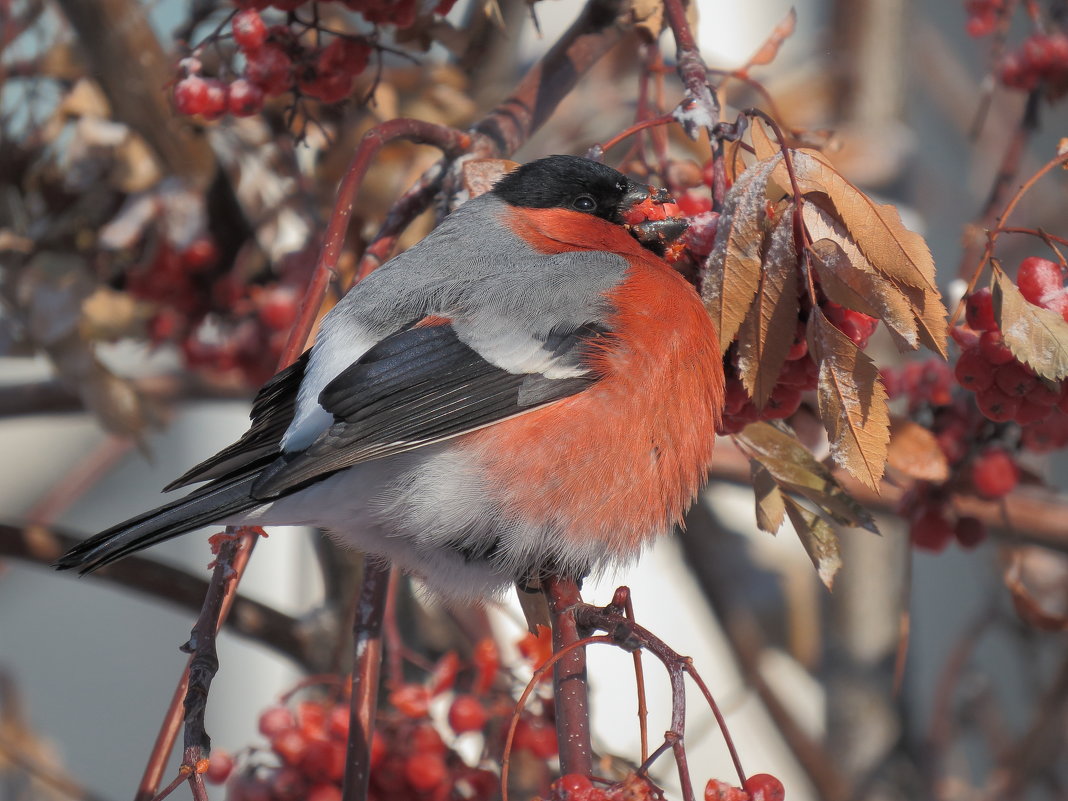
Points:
732	272
930	315
877	229
915	452
849	279
852	402
1036	336
767	332
818	539
796	470
770	506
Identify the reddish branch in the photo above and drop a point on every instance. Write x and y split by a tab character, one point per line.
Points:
569	679
694	75
367	652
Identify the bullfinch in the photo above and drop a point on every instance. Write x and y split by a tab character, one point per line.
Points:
527	391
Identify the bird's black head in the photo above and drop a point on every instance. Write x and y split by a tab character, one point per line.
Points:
570	182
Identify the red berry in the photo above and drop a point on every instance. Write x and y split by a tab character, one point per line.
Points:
338	721
311	717
425	771
783	402
994	349
191	95
693	203
964	336
995	473
425	738
931	531
215	102
764	787
996	405
1015	379
979	310
201	254
278	307
269	69
323	760
244	98
324	792
250	32
220	767
537	737
973	371
1031	412
287	784
275	720
969	531
1038	277
290	745
716	790
1057	301
467	714
411	700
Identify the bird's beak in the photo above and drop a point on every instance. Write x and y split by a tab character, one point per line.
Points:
647	220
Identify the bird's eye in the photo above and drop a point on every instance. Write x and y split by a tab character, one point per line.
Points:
584	203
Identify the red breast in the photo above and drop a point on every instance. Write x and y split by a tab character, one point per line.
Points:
622	460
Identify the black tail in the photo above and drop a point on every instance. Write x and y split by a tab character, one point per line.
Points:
206	505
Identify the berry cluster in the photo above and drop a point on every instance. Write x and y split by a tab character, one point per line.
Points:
974	449
276	62
1006	389
1041	58
412	757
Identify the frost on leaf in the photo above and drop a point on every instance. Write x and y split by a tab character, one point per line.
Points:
731	275
1036	336
768	330
852	402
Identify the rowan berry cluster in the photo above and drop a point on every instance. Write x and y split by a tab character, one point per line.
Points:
276	61
219	323
976	451
1042	57
412	756
1006	389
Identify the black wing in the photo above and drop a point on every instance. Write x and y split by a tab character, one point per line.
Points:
416	387
272	412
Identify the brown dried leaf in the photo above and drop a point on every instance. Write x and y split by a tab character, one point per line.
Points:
770	506
852	402
930	315
795	469
850	280
779	34
648	17
819	540
768	330
763	143
479	175
915	452
1036	336
892	248
731	274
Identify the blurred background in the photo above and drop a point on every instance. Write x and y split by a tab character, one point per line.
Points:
121	221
